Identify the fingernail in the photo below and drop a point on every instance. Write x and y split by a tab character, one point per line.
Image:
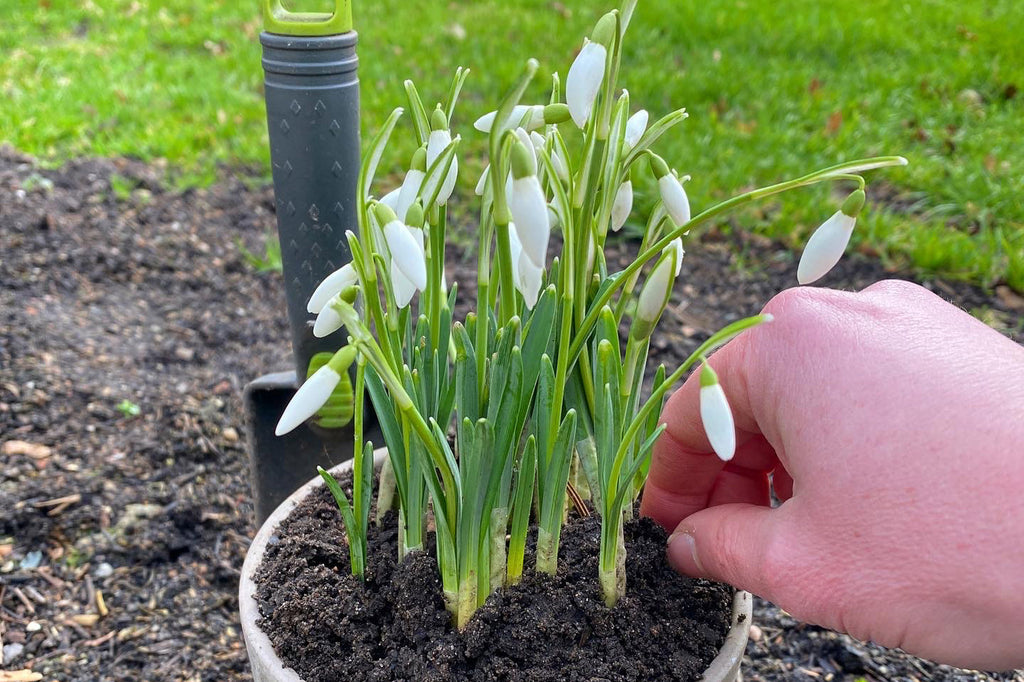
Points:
682	554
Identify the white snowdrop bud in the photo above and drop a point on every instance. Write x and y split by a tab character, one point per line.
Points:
515	251
677	204
405	252
528	206
716	415
586	74
439	139
584	81
315	391
828	243
623	205
654	296
636	126
561	167
333	284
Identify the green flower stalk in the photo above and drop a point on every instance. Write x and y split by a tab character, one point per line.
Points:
486	418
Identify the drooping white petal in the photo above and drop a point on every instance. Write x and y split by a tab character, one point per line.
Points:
327	322
481	185
403	288
531	277
406	253
623	205
333	284
486	122
436	144
538	141
718	422
307	401
529	212
825	248
516	252
677	246
636	126
677	204
409	191
584	81
391	198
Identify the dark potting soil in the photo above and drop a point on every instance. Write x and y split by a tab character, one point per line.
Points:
328	625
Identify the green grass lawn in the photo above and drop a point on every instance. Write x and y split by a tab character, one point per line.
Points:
773	89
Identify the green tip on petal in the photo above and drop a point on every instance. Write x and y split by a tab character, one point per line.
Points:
438	121
414	216
343	359
854	203
523	162
419	160
384	214
556	113
604	32
708	376
659	167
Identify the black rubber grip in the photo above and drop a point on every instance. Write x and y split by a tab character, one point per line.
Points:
312	95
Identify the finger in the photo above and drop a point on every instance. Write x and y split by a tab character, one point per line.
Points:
741	485
729	543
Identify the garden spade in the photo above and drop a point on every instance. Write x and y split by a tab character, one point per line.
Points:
312	98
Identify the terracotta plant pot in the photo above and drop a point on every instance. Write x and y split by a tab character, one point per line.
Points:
267	667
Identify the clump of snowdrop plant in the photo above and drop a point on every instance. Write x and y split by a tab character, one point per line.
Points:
542	395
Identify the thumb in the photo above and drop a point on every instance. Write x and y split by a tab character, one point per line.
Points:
730	543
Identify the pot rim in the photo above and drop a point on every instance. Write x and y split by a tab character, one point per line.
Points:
267	667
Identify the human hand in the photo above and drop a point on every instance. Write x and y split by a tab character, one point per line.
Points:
894	425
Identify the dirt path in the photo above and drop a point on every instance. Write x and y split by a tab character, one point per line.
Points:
121	536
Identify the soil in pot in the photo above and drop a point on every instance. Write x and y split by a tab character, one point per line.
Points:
328	625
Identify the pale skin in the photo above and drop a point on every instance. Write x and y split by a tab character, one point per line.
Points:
893	424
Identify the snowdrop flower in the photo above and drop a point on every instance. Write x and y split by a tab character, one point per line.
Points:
332	285
525	140
528	206
716	415
440	138
677	246
538	141
654	296
586	74
410	189
623	205
827	244
329	320
486	122
315	391
539	116
677	204
405	251
636	126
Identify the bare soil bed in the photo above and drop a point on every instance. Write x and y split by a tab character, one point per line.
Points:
121	534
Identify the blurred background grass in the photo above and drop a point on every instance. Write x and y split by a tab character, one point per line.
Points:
774	90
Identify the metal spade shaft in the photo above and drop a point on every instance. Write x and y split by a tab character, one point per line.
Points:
312	97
